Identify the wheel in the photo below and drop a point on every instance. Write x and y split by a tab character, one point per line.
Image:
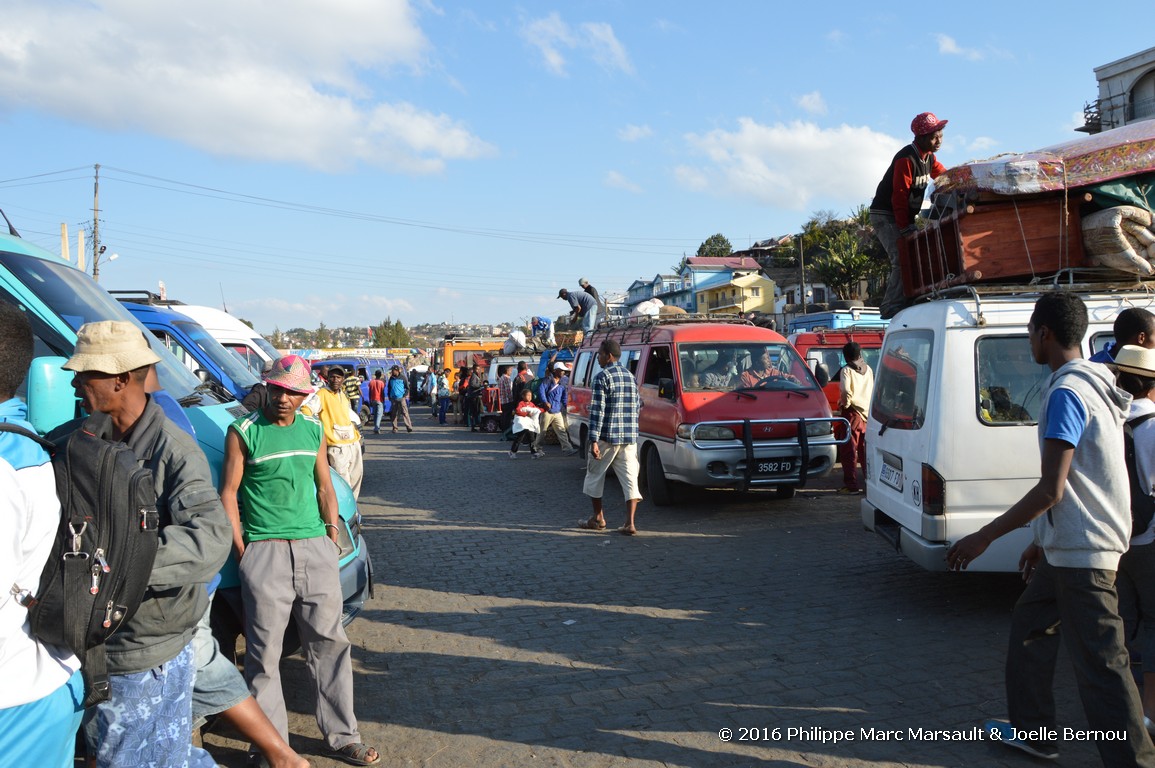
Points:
584	446
490	423
785	492
656	484
366	415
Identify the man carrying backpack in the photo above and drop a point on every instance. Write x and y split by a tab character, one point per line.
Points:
40	701
148	717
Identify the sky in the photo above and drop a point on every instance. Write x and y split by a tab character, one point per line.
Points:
342	162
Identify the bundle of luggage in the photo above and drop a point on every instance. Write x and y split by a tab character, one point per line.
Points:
1080	205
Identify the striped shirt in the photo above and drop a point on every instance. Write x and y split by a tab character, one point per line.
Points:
614	406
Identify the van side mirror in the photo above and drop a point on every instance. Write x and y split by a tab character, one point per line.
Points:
822	375
203	375
51	397
666	388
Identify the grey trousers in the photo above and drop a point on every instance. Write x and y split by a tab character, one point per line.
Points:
1078	607
886	230
283	580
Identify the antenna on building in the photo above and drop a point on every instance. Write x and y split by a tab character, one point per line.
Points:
224	306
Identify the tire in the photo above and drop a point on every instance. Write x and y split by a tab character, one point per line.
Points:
366	415
490	423
785	492
657	486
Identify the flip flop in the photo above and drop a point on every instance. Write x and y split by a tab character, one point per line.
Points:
628	531
593	524
356	754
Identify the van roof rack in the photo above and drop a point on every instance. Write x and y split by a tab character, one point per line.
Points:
1079	280
643	321
145	297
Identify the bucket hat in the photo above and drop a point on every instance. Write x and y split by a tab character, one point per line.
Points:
926	122
110	346
1137	360
290	372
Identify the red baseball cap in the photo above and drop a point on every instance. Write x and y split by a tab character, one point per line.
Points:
926	123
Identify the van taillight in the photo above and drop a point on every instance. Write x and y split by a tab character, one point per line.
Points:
933	491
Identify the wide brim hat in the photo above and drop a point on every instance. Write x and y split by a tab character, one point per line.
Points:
1137	360
291	372
110	346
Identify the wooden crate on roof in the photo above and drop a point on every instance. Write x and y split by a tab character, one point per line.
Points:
569	338
1011	240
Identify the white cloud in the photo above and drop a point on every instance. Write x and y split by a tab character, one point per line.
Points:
794	166
336	309
635	132
812	103
948	46
615	180
836	37
269	80
551	35
981	144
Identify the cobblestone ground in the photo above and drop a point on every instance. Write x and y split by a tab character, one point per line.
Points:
500	635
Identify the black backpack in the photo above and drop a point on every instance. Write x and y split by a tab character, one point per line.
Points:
98	570
1142	502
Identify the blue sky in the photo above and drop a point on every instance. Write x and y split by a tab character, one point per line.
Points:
352	159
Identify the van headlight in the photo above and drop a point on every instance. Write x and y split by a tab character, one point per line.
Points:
707	432
819	428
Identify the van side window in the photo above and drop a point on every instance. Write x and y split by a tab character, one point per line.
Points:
581	367
1009	384
1101	341
658	365
903	382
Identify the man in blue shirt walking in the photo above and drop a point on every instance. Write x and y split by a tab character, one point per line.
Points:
555	394
613	437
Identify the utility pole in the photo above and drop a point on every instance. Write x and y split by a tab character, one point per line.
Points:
802	272
96	225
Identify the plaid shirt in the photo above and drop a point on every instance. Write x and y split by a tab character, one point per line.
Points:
505	388
614	406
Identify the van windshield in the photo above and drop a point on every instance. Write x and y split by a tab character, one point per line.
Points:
727	366
232	365
78	299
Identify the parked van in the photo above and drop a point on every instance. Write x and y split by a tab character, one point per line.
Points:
453	353
822	351
191	344
365	367
952	441
855	317
704	419
251	347
58	299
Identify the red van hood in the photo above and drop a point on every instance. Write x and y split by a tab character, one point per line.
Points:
756	405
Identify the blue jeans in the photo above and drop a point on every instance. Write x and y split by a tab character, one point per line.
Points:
1078	607
378	410
148	720
590	320
442	408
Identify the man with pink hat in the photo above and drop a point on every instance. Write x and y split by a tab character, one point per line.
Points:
899	196
287	549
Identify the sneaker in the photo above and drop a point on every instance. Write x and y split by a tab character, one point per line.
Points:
512	455
1001	730
538	454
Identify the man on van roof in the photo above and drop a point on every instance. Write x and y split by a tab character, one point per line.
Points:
1080	515
899	196
1133	326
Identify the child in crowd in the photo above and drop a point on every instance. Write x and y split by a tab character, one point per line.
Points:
525	424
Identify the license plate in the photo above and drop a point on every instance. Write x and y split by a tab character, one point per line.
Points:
891	476
775	466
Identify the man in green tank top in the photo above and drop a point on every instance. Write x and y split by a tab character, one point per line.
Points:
286	545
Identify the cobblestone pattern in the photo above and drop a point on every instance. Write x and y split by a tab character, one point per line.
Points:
500	635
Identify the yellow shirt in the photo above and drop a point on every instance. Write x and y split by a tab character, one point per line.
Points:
335	413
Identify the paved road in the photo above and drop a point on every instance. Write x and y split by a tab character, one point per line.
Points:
500	635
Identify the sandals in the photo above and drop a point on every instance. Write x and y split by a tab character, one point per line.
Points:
626	530
593	524
356	754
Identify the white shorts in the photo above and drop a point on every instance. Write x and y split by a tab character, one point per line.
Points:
623	459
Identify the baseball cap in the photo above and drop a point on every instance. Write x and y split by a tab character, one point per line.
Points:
926	122
110	346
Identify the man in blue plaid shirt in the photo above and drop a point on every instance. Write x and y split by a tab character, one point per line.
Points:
613	437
